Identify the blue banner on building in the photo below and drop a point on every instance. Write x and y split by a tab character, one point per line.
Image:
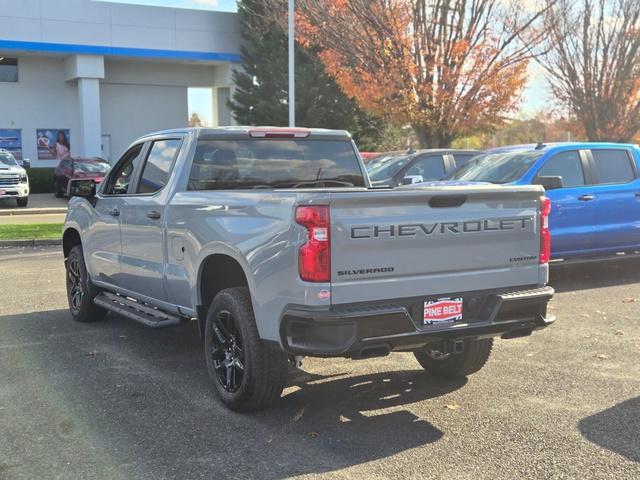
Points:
11	139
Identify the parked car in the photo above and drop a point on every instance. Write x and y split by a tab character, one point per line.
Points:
393	169
14	181
274	241
594	190
76	169
368	156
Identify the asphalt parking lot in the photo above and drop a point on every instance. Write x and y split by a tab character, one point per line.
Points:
114	400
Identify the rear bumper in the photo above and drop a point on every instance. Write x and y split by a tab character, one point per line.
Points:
359	330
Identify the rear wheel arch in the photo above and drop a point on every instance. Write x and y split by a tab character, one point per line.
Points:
217	272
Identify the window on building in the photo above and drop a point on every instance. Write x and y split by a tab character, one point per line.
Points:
8	69
613	166
156	170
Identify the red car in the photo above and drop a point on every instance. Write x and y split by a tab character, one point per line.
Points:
78	168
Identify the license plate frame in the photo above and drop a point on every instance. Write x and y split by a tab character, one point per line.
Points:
442	311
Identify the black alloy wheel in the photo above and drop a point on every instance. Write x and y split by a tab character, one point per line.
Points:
227	351
75	289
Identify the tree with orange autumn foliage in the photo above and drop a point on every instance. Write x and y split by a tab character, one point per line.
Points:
449	68
594	64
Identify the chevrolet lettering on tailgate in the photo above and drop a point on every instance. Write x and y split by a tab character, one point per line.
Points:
443	228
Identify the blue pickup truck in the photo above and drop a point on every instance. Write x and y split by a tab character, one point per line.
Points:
594	190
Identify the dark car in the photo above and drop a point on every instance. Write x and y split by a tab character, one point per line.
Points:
78	169
394	169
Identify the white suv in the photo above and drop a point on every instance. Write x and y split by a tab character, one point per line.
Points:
14	182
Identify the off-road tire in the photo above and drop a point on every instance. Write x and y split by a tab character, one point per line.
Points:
22	202
82	309
475	355
265	365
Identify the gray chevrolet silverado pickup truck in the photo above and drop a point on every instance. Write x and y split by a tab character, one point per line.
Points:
274	240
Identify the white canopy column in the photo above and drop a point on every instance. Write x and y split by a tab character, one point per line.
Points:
87	70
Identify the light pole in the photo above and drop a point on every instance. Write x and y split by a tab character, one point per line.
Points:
292	65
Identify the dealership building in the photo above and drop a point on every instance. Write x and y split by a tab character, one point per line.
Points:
95	75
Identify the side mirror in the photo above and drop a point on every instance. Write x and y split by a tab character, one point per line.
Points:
549	182
411	179
82	188
26	163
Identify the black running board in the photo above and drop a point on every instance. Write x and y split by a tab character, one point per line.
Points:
138	311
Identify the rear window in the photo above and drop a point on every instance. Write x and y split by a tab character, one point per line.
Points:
613	166
267	163
496	167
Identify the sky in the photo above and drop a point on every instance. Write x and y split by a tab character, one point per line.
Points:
537	94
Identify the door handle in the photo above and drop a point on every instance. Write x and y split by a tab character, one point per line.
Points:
114	212
638	194
153	215
586	198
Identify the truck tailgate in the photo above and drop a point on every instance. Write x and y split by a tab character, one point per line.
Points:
433	240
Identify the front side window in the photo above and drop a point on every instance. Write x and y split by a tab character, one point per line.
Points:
566	165
124	171
613	166
158	165
8	69
429	168
270	163
386	168
496	167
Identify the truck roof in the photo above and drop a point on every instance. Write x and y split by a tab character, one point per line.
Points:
245	130
546	147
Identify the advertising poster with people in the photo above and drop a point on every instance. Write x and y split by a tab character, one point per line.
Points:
11	139
53	144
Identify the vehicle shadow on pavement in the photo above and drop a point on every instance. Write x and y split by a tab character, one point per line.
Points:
564	278
354	419
616	429
143	399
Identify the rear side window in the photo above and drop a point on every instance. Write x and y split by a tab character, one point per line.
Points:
268	163
156	170
613	166
566	165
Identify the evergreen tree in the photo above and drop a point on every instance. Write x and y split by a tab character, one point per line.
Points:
261	94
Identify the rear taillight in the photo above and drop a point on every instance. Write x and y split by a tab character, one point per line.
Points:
545	233
314	259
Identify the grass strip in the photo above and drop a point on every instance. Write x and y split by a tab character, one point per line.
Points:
31	231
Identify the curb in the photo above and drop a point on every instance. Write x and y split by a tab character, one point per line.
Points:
31	243
12	212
